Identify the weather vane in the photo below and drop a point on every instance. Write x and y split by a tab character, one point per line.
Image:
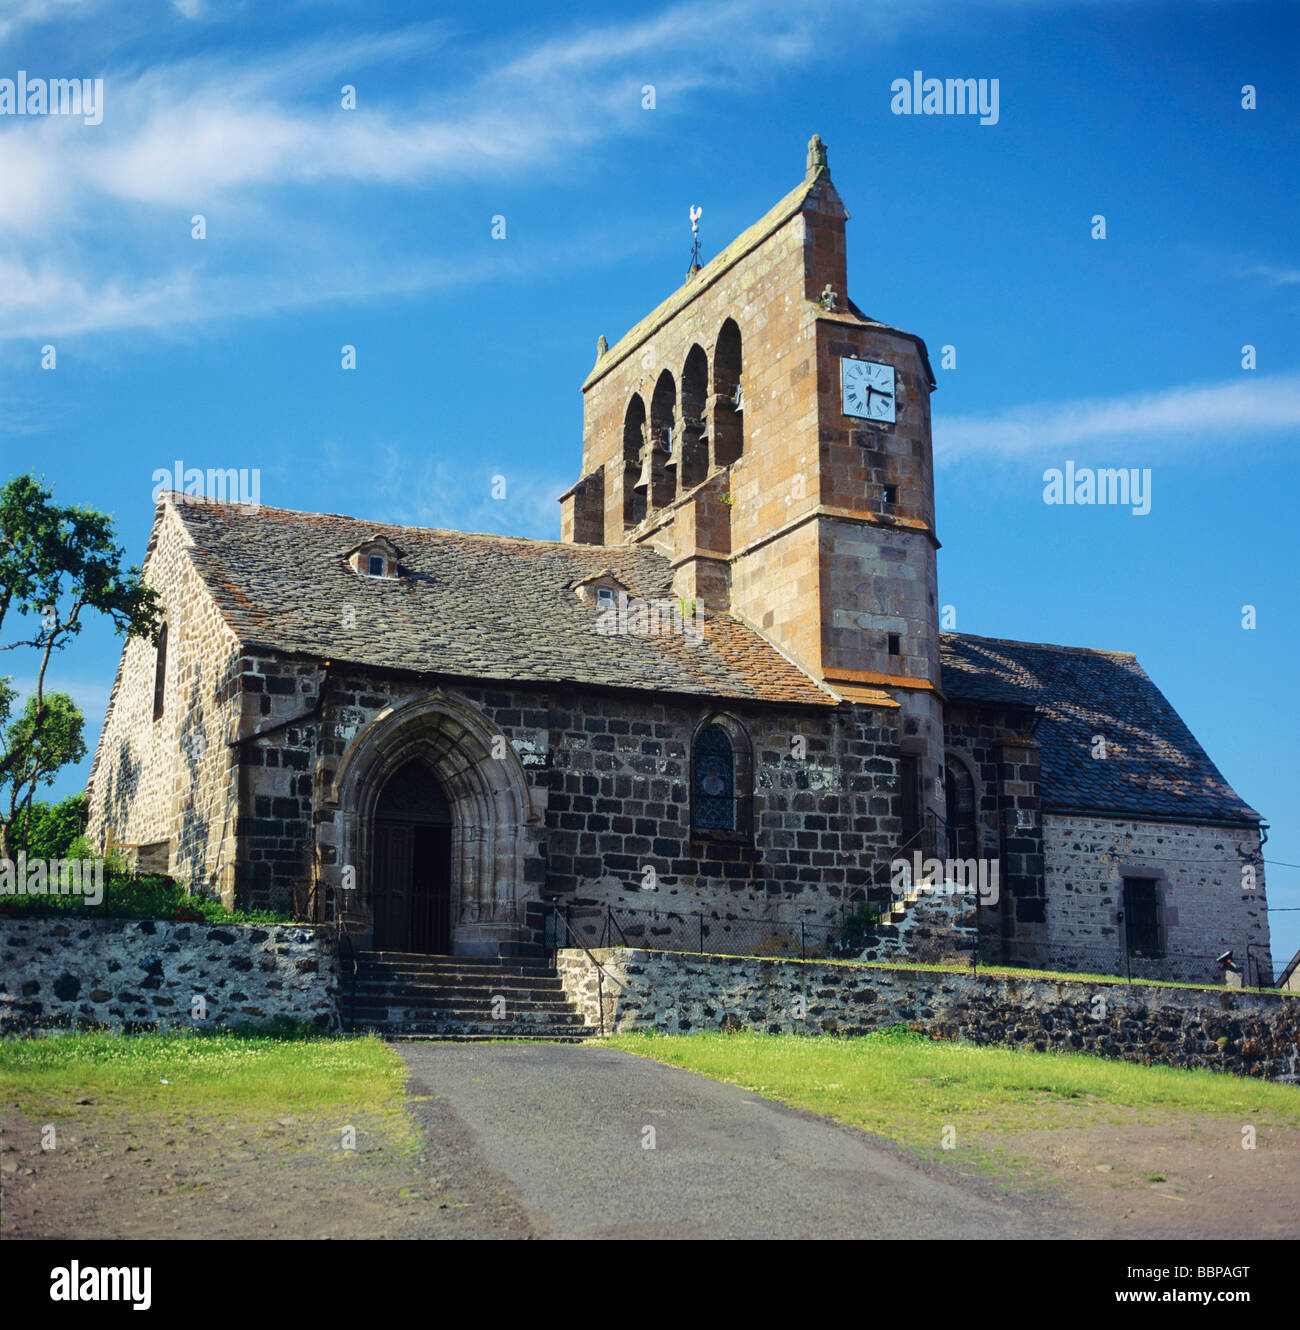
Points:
696	213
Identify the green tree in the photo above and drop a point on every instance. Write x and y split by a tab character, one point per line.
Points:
56	563
34	749
48	831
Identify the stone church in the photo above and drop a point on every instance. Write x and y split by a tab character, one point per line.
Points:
722	695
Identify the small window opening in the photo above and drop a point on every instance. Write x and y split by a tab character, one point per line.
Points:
891	494
160	674
376	564
605	597
1143	930
895	645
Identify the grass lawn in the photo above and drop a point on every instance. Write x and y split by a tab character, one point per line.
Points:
908	1087
208	1074
220	1134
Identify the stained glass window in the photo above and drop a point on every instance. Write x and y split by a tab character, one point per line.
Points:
715	780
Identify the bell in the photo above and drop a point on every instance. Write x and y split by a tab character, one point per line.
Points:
674	449
643	481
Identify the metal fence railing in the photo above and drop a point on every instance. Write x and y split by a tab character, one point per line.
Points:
697	932
855	934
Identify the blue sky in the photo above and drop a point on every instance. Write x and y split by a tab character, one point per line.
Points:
372	227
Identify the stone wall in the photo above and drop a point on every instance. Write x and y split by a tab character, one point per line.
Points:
174	816
139	972
1206	910
609	781
1253	1034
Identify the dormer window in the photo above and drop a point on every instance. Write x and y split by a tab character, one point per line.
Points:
600	590
376	557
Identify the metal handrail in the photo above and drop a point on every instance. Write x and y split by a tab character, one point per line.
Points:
601	972
347	954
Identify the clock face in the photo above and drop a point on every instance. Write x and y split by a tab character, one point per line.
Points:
868	389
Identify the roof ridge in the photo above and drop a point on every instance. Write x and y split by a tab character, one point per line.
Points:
195	501
1041	646
736	249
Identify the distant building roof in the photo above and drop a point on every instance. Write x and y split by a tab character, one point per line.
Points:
1153	765
467	606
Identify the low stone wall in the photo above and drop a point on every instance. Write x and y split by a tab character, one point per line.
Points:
1253	1034
59	972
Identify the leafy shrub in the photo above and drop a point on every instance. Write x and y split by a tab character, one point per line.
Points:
900	1034
138	896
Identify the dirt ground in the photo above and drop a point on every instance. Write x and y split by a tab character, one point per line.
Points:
1158	1176
1168	1176
265	1178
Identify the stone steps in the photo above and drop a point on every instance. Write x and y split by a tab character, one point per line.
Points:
404	995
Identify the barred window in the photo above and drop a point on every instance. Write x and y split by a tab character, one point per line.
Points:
714	767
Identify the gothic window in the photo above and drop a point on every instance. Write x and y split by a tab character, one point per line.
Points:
963	833
160	674
714	768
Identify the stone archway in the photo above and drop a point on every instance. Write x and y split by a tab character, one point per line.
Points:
494	823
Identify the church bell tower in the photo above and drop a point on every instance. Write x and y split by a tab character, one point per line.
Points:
773	441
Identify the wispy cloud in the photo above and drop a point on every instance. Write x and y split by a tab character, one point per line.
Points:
260	145
18	14
251	133
420	488
1173	416
1277	276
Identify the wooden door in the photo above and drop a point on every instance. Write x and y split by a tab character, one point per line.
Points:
412	887
431	889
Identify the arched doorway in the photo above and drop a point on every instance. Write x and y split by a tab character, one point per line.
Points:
412	875
496	862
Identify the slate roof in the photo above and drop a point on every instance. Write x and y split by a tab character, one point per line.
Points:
468	606
1154	767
